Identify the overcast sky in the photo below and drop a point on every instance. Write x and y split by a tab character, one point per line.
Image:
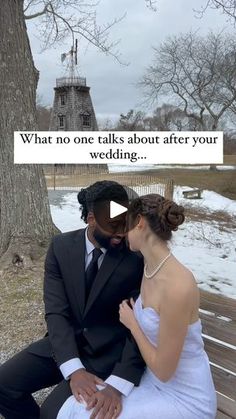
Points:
113	86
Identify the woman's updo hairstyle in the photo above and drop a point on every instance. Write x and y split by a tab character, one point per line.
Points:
163	215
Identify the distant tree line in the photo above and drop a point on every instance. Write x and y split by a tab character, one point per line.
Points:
230	143
43	114
166	118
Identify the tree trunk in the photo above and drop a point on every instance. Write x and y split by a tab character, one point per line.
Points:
25	221
213	167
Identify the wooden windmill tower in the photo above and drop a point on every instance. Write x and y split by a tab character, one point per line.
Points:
72	108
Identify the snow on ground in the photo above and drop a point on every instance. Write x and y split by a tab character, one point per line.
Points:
211	201
204	247
210	254
129	168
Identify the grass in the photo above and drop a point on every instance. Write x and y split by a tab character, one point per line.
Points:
21	309
230	159
220	181
22	313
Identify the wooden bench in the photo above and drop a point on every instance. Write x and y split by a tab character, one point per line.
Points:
218	316
193	194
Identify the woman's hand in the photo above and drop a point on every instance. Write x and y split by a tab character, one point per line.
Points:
127	316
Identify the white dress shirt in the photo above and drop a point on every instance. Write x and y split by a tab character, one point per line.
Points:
68	367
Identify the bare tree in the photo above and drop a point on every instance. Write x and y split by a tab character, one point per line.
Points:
151	4
25	221
43	114
132	121
106	124
230	143
198	74
227	7
59	18
168	117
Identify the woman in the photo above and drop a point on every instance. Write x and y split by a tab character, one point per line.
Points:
177	383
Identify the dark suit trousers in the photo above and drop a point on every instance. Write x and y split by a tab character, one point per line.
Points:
21	376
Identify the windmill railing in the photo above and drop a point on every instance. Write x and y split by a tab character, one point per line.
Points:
71	81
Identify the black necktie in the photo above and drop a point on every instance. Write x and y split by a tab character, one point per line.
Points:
92	270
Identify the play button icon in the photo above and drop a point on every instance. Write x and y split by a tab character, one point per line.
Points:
110	211
116	209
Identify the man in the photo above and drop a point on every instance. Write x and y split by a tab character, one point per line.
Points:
88	273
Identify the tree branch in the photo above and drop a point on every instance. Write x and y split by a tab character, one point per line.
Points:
60	18
227	7
200	71
35	15
151	4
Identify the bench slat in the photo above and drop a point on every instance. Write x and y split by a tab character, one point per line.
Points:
218	328
221	415
225	383
220	355
226	406
222	306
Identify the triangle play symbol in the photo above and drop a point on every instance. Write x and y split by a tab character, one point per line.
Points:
116	209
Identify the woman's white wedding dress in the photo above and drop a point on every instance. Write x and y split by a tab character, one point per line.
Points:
189	394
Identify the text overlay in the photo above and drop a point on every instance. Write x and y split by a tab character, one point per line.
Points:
96	147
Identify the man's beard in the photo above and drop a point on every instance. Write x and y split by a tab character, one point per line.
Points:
106	241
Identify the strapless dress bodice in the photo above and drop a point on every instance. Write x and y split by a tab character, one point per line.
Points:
149	321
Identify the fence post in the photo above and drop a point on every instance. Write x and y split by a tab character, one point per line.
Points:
54	177
169	189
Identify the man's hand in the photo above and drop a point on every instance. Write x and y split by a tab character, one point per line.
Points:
106	403
82	383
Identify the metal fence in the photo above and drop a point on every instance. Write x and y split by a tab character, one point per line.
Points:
74	178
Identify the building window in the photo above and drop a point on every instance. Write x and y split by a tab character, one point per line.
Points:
63	99
86	120
62	121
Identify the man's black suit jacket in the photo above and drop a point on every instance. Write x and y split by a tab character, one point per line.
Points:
90	329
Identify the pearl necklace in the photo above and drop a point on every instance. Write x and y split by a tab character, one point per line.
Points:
148	276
